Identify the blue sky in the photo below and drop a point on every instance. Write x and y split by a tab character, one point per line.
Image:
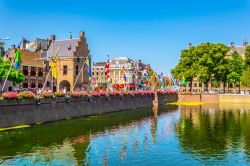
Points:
152	30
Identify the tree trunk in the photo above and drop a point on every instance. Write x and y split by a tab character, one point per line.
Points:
224	87
191	85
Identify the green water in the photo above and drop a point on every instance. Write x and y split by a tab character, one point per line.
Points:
186	135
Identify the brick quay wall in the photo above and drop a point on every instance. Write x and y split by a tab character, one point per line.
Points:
15	112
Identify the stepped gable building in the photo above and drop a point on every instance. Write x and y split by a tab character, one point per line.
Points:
71	58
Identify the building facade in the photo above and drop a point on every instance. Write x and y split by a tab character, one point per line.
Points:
32	67
72	54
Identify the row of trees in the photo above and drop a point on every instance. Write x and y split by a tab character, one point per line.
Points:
215	64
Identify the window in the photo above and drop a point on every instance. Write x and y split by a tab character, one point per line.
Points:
40	85
40	72
77	70
97	73
65	69
33	71
48	84
78	59
200	84
195	84
33	83
25	70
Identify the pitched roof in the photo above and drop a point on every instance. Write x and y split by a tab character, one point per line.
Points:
240	49
31	59
67	47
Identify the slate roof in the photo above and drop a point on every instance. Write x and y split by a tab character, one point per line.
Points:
67	47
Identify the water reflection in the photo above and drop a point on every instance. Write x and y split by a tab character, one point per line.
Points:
208	134
214	132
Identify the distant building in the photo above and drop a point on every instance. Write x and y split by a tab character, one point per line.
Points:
1	48
98	73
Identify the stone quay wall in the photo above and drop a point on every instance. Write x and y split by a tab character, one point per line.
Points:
15	112
231	98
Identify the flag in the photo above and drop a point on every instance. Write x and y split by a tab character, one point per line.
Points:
87	67
177	83
168	81
145	75
125	78
53	64
183	81
17	59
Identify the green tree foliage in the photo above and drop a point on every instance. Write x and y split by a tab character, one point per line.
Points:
206	61
15	76
236	67
245	80
247	55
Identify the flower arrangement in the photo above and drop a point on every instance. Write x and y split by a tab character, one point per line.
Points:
79	94
59	94
115	93
10	95
47	94
96	94
26	95
103	93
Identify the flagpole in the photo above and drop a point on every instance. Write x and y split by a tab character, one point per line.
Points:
46	79
78	76
12	62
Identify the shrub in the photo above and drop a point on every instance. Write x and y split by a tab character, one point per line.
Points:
59	94
10	95
26	95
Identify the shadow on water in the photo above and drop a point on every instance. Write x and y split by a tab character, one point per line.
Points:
214	131
76	132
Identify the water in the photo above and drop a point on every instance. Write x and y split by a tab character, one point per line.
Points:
211	134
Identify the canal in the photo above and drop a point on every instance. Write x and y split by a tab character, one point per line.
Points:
214	134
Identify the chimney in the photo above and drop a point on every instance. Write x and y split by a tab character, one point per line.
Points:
245	43
190	45
82	34
24	42
53	37
232	44
70	35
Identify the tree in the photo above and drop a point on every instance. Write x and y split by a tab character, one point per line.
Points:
247	56
187	66
236	66
212	62
15	76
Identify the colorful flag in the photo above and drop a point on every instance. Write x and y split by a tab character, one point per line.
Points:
168	81
17	59
183	81
87	67
53	64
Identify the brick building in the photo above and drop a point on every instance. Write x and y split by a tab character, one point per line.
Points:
32	66
71	58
